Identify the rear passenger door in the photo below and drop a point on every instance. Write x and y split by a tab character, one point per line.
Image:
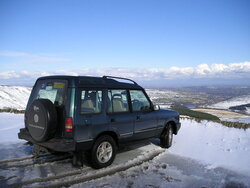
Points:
90	116
118	113
145	119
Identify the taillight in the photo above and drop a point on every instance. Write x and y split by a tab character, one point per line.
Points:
68	124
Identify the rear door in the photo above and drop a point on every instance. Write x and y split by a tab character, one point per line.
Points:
89	117
55	91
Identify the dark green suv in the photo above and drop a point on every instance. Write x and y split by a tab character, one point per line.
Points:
94	115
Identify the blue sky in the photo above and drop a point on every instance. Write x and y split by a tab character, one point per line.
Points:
90	37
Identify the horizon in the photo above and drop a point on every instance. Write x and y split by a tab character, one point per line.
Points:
149	85
157	43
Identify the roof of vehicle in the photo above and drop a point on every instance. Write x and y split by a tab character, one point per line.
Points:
96	82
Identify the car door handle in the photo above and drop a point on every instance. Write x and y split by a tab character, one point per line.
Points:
112	120
138	117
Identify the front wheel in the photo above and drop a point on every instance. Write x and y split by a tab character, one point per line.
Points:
103	152
167	137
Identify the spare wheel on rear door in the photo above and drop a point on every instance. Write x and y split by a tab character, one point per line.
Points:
41	120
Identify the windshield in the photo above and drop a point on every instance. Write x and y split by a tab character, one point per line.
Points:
53	90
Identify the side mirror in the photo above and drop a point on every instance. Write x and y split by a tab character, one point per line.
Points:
156	107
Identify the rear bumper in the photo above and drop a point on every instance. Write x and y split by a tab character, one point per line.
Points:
60	145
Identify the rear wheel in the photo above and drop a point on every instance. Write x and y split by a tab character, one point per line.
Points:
167	137
103	152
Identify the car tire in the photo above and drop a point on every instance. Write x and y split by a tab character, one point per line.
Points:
103	152
167	137
41	120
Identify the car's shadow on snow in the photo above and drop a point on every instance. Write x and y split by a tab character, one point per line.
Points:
139	144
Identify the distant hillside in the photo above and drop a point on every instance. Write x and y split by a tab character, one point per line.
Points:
14	97
245	108
235	101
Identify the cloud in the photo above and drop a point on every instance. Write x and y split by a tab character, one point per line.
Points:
8	75
234	70
202	71
33	58
13	54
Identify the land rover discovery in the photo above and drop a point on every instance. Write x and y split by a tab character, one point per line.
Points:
94	114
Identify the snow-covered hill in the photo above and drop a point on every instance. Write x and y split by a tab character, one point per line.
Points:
236	101
14	97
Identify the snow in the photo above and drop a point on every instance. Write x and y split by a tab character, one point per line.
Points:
10	124
10	145
247	110
14	97
241	120
236	101
169	170
205	141
210	149
203	153
214	144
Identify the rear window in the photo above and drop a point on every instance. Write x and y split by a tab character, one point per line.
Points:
52	90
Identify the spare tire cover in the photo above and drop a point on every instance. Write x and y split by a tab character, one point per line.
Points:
41	119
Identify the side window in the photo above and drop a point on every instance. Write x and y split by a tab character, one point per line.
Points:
91	101
139	100
117	101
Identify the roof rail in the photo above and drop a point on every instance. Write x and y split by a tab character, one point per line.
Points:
120	78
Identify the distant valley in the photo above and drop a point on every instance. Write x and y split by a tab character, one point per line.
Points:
235	99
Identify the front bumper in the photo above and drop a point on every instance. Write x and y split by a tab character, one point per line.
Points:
178	126
54	144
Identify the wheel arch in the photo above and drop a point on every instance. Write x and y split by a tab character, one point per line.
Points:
109	133
173	124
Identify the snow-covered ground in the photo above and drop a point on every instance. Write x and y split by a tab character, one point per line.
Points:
169	170
214	144
243	120
10	124
15	97
236	101
203	154
10	145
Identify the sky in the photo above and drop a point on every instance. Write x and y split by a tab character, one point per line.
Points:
152	41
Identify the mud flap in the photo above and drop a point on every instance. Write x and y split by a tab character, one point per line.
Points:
77	160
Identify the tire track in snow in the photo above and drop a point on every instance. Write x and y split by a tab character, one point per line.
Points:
86	174
16	159
31	160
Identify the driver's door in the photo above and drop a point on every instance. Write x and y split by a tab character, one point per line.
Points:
145	119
